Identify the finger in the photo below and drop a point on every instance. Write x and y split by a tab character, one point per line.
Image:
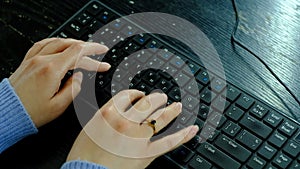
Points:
37	47
90	64
67	59
173	141
58	45
124	99
70	90
164	116
84	49
146	106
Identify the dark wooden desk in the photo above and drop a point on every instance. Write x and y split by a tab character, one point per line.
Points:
270	28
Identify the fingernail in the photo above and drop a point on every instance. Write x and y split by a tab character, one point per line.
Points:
179	106
78	76
194	130
164	95
106	65
105	47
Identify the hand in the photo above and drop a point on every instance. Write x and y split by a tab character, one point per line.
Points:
38	79
118	136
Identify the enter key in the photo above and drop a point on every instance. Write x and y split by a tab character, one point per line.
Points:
233	148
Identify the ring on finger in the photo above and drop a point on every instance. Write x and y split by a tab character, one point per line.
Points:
152	124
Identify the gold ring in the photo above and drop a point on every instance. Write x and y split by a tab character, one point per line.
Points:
152	123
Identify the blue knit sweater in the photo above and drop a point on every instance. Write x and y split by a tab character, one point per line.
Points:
15	124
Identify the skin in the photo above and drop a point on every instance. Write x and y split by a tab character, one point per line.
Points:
38	84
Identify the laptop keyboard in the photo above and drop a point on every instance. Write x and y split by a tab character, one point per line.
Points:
249	134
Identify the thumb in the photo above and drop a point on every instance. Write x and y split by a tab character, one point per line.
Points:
69	91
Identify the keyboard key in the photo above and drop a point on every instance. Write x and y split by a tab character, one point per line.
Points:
295	165
150	77
199	123
292	148
165	55
233	148
76	29
190	102
131	47
256	162
277	139
231	129
203	111
255	126
153	45
198	162
288	128
273	119
215	155
207	96
234	113
216	119
95	25
94	8
184	117
128	30
84	18
209	133
64	34
270	166
194	142
175	94
249	140
144	88
106	16
182	79
193	86
245	102
282	160
164	85
141	39
220	104
267	151
259	110
217	85
182	154
231	93
203	77
177	62
194	68
142	56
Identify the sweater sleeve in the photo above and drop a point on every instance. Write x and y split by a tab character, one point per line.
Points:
79	164
15	122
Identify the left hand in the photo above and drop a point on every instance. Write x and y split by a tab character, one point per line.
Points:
37	81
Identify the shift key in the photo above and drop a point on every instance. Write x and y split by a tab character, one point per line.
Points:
216	156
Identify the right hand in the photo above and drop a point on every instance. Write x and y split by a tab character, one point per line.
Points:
109	130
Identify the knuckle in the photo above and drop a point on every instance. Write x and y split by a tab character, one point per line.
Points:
35	61
121	125
106	112
77	46
37	44
47	68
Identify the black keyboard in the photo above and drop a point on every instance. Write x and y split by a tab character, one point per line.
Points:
249	133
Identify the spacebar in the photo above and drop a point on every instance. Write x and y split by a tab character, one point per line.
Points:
217	157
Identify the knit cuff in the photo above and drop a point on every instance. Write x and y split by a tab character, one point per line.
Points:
15	123
78	164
